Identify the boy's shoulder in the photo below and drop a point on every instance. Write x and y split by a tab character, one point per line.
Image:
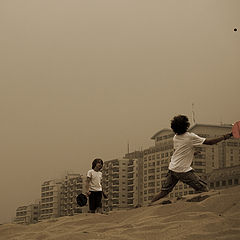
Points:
91	171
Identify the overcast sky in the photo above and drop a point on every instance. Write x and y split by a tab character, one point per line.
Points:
81	79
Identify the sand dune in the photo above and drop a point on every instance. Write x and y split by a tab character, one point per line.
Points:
212	215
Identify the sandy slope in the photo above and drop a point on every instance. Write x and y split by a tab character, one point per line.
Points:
215	217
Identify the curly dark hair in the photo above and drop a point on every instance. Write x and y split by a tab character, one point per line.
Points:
95	161
180	124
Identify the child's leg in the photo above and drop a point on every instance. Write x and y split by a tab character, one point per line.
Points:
99	210
92	202
98	202
170	183
194	181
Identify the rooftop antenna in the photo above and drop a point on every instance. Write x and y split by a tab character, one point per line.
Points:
193	114
128	147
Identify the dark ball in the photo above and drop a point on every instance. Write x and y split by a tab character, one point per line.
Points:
235	29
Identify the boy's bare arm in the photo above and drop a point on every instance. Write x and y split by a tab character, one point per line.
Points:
218	139
87	185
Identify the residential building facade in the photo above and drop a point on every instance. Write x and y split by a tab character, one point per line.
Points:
121	183
224	177
50	199
27	214
73	185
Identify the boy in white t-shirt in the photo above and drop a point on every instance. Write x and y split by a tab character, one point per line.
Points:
94	187
180	164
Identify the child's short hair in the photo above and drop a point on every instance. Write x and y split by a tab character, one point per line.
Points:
95	161
180	124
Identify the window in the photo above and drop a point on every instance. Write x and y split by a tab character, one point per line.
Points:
230	182
151	184
151	177
151	190
151	170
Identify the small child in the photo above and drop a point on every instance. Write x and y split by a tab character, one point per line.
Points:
180	165
94	187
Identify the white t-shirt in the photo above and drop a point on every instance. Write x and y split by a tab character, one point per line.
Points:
184	151
95	180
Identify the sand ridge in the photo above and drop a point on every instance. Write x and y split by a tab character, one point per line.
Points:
212	215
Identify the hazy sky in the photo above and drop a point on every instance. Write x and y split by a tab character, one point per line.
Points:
79	79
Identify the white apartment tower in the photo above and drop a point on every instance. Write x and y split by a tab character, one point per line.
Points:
121	183
50	199
73	184
115	179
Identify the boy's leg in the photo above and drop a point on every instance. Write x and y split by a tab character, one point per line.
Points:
194	181
170	183
92	202
99	202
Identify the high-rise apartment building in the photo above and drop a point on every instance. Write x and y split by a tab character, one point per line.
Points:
50	199
121	183
115	179
73	184
135	178
155	163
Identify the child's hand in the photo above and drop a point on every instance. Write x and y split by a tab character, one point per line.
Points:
104	195
227	136
88	193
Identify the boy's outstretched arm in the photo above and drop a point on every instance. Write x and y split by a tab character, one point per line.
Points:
212	141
